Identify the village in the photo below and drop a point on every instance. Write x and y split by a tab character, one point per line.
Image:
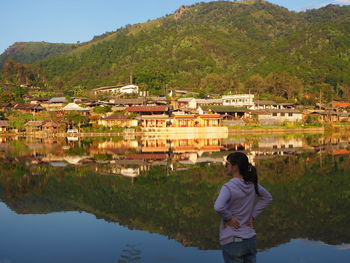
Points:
125	107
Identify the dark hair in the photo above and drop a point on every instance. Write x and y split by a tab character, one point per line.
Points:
246	169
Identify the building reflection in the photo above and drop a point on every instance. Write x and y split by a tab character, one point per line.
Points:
133	157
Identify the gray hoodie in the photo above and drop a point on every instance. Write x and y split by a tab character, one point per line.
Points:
238	199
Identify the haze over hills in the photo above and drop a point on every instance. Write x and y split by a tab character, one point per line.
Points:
209	47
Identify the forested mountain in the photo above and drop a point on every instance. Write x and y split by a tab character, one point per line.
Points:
218	46
28	52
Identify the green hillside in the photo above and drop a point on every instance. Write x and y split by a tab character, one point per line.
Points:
218	46
28	52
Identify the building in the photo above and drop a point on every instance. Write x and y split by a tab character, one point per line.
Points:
196	120
193	103
238	100
29	108
117	120
50	126
118	89
155	121
5	107
4	126
34	126
228	112
74	107
149	110
277	116
54	104
118	102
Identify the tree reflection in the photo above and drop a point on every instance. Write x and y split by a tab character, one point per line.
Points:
311	198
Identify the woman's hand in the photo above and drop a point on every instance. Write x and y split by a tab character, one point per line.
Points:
232	223
250	222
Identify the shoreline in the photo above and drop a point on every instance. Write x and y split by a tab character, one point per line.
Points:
230	131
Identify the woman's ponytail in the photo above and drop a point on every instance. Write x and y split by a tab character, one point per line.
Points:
246	169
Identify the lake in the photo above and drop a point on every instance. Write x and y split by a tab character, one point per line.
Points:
149	199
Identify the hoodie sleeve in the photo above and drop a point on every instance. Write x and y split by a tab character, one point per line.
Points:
220	205
265	199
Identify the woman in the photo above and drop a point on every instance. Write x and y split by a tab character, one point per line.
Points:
236	205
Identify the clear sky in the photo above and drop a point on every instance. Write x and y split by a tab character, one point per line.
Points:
69	21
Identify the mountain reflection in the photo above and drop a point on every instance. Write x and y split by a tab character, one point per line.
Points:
175	181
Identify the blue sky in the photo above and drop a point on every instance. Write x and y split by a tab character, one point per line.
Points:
69	21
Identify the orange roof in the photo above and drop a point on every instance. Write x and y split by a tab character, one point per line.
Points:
215	116
342	104
343	151
187	116
211	148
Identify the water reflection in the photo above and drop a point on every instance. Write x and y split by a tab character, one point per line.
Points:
175	181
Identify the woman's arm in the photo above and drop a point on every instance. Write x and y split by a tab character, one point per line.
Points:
265	199
220	204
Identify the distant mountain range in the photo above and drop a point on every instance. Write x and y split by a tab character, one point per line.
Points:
204	47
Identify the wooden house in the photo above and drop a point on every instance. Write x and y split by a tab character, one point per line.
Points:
277	116
117	120
29	108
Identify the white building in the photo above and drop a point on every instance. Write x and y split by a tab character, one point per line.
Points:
120	89
239	100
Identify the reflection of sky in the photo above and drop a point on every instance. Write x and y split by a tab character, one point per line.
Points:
80	237
304	251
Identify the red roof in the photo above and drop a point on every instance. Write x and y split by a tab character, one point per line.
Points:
147	108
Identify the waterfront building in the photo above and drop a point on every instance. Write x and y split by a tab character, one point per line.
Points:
277	116
156	121
117	120
32	126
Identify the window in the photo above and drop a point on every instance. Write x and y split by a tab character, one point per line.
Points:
274	114
282	114
290	146
290	114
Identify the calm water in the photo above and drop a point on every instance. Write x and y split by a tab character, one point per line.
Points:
150	199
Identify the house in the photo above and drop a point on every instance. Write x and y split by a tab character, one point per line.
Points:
127	102
228	112
5	107
4	125
118	89
209	120
154	101
117	120
27	107
186	103
159	121
277	116
149	110
74	107
55	103
238	100
330	116
340	104
34	126
184	120
50	126
264	104
193	103
34	100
